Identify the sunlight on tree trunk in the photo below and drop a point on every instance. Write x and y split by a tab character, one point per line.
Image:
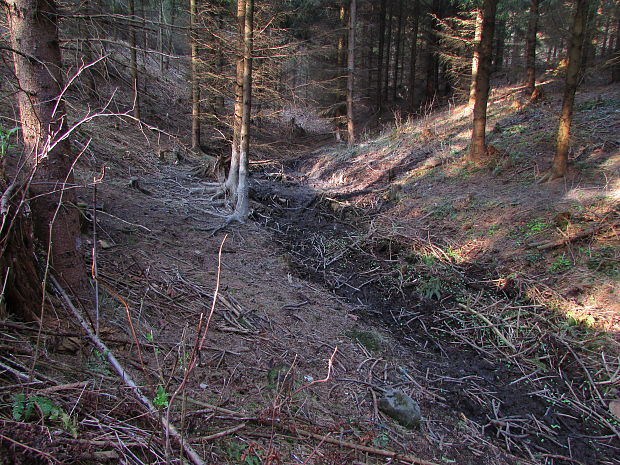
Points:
233	174
194	58
351	71
478	137
575	47
33	29
242	208
475	60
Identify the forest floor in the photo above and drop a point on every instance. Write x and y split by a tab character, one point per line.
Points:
491	300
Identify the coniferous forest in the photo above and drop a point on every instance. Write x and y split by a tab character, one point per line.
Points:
310	232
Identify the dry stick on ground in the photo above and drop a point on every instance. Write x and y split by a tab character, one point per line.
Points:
126	377
201	335
566	240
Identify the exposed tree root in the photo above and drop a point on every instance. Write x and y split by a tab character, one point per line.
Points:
550	176
568	239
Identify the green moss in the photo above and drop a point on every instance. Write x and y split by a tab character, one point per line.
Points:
369	340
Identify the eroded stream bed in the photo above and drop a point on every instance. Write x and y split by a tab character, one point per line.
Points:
530	399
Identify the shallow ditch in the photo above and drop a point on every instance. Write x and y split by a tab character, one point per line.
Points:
526	413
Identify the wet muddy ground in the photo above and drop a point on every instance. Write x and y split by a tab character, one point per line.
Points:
526	410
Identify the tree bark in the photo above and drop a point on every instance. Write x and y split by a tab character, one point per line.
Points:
615	71
475	60
589	46
478	150
242	207
500	40
133	60
233	174
399	35
18	272
33	27
575	48
414	51
382	11
388	49
431	55
530	53
194	58
351	71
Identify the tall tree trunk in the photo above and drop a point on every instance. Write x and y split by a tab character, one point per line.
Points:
605	38
530	52
242	207
341	73
388	49
379	100
589	46
475	60
351	71
133	61
478	150
170	46
160	36
33	27
500	41
414	51
575	48
615	71
431	54
399	34
193	45
233	174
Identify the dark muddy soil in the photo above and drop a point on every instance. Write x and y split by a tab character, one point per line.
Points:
516	408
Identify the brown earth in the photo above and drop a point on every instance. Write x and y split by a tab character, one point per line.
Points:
423	271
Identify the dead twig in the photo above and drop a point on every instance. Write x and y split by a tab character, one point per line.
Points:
582	235
222	433
128	380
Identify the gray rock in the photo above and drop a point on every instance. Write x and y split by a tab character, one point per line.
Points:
402	408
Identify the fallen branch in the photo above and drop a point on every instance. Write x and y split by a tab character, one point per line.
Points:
371	450
222	433
127	379
581	235
491	325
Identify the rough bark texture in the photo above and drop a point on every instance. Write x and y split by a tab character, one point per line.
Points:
530	52
388	50
22	291
351	71
475	59
134	61
500	40
399	35
242	207
478	150
233	174
575	48
414	52
431	54
379	100
193	45
615	72
34	35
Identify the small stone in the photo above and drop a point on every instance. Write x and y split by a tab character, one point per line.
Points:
614	408
402	408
